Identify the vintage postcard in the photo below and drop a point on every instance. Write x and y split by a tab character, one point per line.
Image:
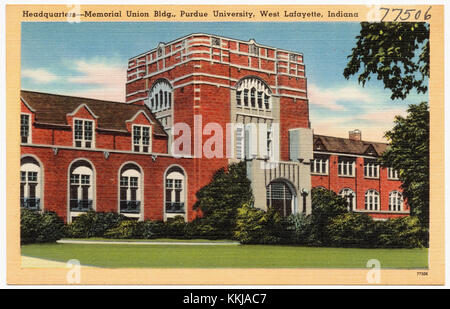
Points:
225	145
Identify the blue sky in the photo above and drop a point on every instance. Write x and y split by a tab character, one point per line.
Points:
90	59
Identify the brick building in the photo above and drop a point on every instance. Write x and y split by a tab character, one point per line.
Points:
192	106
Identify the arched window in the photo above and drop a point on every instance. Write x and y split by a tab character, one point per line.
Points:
160	96
395	201
30	183
253	92
175	191
372	200
350	196
130	182
82	186
281	196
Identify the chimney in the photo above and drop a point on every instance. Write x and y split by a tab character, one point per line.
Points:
354	135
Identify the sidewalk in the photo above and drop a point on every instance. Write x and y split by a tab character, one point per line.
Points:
124	242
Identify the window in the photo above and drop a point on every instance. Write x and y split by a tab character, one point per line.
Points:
83	134
130	189
81	190
372	200
30	184
392	174
215	41
350	196
320	164
395	201
160	51
280	197
253	49
160	96
269	141
292	57
346	166
240	141
253	92
141	138
175	190
371	168
24	128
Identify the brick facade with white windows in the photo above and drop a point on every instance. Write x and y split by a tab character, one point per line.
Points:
80	154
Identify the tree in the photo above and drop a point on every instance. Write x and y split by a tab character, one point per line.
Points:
219	201
408	153
388	50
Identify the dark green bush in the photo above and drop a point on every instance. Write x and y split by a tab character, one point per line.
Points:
255	226
93	224
153	229
353	230
175	227
219	201
299	227
326	205
129	229
36	227
406	232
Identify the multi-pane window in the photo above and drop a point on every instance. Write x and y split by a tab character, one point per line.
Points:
350	196
141	138
83	134
81	188
320	164
29	189
392	173
269	138
25	128
253	92
395	201
215	41
346	166
254	49
292	57
129	199
372	200
240	142
371	168
174	191
160	97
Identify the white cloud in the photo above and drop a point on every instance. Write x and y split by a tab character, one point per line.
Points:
106	78
40	76
330	97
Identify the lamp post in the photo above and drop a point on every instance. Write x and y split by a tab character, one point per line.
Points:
304	193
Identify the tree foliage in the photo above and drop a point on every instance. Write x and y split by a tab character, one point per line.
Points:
388	50
409	154
219	201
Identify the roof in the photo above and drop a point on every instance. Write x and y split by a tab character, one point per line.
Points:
53	109
347	146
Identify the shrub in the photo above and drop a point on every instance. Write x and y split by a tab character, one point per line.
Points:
94	224
126	230
153	229
352	230
219	201
326	205
175	227
255	226
299	227
406	232
38	227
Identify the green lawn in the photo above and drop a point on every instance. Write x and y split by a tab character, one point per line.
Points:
227	256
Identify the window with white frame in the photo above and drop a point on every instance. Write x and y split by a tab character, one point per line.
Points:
215	41
130	189
83	133
395	201
160	96
253	93
25	132
81	190
372	200
392	173
253	49
141	138
175	190
240	141
350	196
346	166
320	164
30	184
269	139
371	168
